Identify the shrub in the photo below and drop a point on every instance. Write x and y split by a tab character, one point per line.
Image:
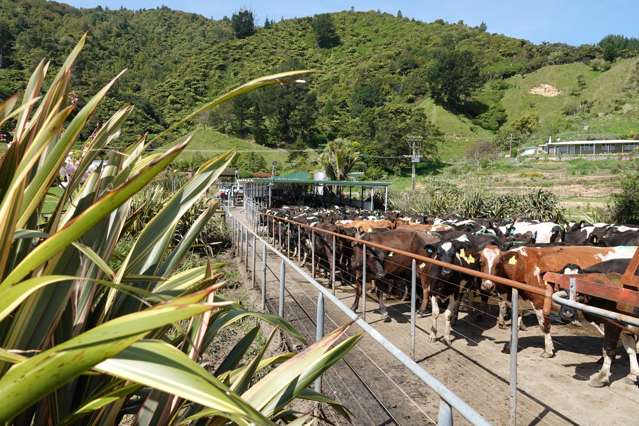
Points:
625	206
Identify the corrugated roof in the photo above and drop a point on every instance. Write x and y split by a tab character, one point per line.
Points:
598	142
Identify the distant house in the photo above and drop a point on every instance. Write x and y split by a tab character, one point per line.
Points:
590	148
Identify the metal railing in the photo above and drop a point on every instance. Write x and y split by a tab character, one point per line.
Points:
243	231
255	215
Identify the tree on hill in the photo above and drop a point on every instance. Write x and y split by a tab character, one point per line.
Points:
391	128
615	46
325	34
339	157
243	23
454	76
268	23
367	93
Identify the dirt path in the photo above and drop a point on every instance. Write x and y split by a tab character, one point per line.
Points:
551	391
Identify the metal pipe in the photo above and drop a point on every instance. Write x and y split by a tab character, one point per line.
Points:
319	332
467	271
445	416
299	243
413	302
246	252
385	198
280	307
372	199
264	276
333	267
438	387
313	252
364	282
254	254
560	298
514	341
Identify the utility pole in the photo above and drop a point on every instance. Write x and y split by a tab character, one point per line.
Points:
510	145
415	157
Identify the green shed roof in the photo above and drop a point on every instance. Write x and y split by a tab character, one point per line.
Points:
287	180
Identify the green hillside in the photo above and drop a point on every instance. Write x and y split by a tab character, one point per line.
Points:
378	84
207	142
589	103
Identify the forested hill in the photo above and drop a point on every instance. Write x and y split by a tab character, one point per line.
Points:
380	77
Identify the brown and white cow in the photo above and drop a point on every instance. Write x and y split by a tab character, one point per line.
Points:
528	265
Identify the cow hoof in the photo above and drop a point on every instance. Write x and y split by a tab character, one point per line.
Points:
501	325
545	354
387	318
354	308
597	381
422	314
631	379
448	341
431	339
522	327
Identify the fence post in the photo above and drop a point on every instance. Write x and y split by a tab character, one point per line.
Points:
264	276
514	338
282	283
445	417
372	199
319	332
333	267
279	234
254	254
299	243
313	252
413	294
364	282
246	255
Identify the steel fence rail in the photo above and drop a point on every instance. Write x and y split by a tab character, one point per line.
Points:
497	279
449	399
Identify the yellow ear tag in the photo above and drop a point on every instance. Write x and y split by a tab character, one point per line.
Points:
467	257
512	261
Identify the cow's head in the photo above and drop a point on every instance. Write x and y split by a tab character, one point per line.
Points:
456	251
488	259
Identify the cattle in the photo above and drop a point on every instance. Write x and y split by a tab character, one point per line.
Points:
542	233
448	287
612	330
528	264
384	267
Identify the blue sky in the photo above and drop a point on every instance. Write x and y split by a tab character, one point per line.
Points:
567	21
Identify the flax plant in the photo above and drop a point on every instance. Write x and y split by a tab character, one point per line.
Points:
85	342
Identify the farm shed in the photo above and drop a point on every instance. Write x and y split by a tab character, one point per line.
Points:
285	190
590	148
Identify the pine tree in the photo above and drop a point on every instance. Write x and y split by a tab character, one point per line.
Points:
399	14
325	33
243	23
